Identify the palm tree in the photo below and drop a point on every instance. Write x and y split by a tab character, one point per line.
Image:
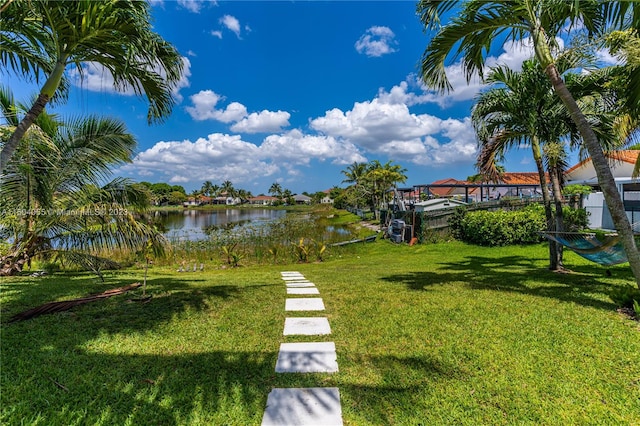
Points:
471	32
354	174
227	187
55	194
207	188
43	37
275	189
522	110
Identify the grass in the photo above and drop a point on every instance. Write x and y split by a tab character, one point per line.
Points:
430	334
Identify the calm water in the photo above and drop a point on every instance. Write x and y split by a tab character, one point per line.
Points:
191	224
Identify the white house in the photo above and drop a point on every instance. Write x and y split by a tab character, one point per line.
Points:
621	164
327	197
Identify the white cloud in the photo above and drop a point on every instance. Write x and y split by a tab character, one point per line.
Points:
385	126
221	156
191	53
607	59
513	55
204	108
260	122
372	124
218	157
96	78
376	41
217	34
296	147
195	5
231	23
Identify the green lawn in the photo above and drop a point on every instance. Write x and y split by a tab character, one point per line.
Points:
430	334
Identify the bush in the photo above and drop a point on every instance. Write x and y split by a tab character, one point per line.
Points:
625	296
501	228
455	222
575	219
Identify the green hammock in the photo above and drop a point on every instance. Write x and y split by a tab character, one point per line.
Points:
608	252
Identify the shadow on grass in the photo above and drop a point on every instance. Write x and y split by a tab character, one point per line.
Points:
218	387
171	296
585	285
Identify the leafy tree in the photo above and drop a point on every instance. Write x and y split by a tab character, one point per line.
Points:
478	23
178	188
41	38
176	197
379	179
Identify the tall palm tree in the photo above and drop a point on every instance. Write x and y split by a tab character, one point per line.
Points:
227	187
55	193
41	38
275	189
471	32
354	174
207	188
521	110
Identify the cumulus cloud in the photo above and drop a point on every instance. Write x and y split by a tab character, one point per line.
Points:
216	157
386	126
232	24
95	77
261	122
222	156
205	105
372	124
513	55
383	126
204	108
299	148
376	41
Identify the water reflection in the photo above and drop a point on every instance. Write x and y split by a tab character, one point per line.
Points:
197	224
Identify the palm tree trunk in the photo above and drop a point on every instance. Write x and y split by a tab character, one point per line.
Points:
46	93
537	156
554	175
12	144
605	177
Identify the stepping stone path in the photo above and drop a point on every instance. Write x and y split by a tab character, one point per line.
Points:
304	406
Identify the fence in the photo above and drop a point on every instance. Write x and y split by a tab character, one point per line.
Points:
438	220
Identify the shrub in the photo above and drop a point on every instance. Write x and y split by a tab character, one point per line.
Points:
625	296
575	219
502	228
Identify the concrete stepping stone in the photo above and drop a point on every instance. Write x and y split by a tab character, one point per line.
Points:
300	285
306	326
294	278
304	304
289	273
297	282
314	357
303	406
303	290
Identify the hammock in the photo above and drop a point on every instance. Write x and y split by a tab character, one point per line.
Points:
608	252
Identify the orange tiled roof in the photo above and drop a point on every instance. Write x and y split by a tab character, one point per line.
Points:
625	156
520	178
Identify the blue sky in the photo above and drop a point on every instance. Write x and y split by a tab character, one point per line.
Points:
294	92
